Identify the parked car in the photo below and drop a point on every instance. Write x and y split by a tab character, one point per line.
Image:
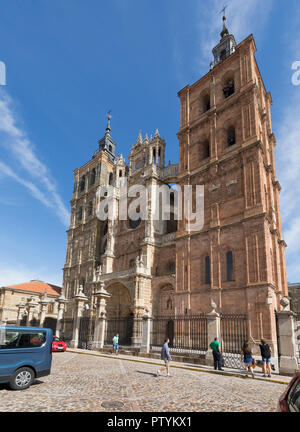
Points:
58	344
290	400
25	354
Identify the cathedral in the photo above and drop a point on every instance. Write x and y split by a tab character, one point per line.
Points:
235	264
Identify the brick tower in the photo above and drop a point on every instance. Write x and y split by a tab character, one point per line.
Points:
226	143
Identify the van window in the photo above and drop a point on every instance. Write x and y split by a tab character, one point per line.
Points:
25	339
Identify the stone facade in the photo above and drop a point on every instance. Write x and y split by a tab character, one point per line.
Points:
159	268
31	303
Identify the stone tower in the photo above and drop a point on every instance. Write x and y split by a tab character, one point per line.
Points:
226	143
87	235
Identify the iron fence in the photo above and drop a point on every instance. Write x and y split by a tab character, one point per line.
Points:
234	333
86	332
187	333
123	326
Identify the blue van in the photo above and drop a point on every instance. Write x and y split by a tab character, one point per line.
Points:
25	354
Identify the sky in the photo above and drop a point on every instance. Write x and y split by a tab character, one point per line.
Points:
69	62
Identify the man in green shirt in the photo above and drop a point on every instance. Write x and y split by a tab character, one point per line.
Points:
216	349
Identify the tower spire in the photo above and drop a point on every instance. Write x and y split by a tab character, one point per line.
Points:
225	31
108	129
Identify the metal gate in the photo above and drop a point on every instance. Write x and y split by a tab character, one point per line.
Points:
123	326
233	335
187	333
86	333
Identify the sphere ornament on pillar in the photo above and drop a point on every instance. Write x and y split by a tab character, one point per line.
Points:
214	307
285	303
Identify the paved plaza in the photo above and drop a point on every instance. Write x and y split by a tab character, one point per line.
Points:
81	382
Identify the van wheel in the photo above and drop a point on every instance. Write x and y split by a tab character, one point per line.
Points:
22	379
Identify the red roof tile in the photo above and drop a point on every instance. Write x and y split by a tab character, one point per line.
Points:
38	287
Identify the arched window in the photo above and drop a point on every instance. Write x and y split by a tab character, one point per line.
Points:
111	179
207	270
90	208
228	88
231	139
229	266
131	263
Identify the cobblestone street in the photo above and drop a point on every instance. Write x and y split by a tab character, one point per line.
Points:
90	383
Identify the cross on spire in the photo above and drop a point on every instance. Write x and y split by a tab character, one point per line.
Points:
224	10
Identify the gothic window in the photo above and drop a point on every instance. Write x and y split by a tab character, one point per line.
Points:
206	103
111	178
110	148
134	223
154	155
79	214
172	267
120	173
171	224
223	55
82	184
229	266
231	139
228	88
93	176
131	263
205	150
207	270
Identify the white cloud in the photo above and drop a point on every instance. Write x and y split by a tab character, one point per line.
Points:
15	141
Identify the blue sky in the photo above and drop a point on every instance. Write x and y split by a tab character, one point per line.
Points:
68	62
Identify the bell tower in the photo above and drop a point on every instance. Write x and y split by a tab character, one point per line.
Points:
226	143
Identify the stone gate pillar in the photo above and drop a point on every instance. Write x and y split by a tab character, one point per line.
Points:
146	333
43	309
100	320
61	307
213	331
288	364
32	304
21	308
80	299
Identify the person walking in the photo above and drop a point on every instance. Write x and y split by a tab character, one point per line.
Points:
266	353
165	356
217	355
246	357
116	343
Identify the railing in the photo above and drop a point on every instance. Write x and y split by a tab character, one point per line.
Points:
187	333
233	335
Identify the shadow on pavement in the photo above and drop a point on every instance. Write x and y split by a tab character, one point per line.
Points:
147	373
